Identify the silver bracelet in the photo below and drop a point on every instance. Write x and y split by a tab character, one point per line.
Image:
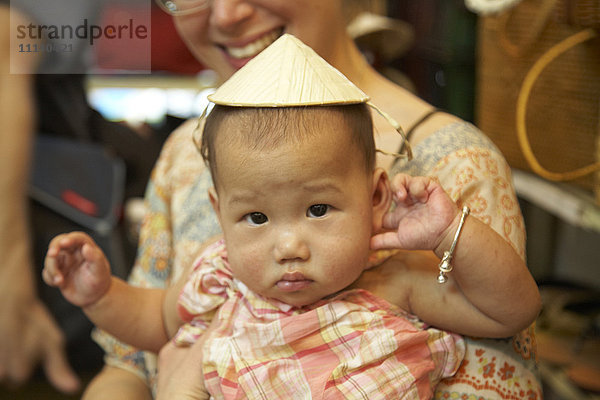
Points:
445	266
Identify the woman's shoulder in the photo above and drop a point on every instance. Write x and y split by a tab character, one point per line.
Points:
411	111
453	136
433	129
450	134
419	119
430	121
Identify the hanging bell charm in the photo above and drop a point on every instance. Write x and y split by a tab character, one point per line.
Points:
442	277
445	267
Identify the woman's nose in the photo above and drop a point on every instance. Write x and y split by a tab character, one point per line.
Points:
290	247
227	14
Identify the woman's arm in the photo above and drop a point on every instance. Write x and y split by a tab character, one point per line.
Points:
116	384
180	373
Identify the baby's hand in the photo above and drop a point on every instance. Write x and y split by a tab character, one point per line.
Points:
421	218
77	266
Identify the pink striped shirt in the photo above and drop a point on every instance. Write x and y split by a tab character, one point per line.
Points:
353	345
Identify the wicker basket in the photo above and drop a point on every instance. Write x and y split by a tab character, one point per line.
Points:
562	112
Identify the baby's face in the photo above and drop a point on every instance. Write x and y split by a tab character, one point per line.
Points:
297	219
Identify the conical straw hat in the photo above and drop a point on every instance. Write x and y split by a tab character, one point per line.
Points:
287	73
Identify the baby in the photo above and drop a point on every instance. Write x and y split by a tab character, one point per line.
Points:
301	206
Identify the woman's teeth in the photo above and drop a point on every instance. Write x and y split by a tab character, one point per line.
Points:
252	49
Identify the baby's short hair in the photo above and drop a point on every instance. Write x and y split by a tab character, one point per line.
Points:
269	126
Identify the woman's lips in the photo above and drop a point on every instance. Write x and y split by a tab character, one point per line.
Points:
293	281
238	56
253	48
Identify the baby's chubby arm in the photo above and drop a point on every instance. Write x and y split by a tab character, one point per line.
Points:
77	266
490	291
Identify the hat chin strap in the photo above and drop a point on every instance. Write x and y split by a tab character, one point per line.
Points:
398	128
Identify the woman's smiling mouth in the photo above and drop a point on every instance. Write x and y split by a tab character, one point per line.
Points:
253	48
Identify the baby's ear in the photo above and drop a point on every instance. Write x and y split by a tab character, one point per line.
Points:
214	201
382	198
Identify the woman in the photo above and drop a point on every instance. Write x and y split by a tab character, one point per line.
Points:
224	35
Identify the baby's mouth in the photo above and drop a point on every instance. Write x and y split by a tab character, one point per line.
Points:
293	281
252	49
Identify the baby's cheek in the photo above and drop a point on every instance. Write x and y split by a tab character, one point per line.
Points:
247	266
253	272
345	270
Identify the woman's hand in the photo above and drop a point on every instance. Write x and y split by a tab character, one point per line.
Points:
180	373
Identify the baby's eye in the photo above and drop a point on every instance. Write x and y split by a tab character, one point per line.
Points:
317	210
256	218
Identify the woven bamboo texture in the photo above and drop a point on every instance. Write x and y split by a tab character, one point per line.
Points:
563	111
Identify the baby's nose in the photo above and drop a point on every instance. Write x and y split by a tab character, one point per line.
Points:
291	247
